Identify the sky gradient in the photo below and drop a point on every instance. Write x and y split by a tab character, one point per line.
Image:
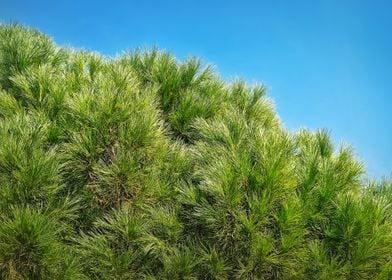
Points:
327	64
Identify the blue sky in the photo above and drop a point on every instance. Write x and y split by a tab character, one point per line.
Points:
327	64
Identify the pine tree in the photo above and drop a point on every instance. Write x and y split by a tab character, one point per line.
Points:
146	167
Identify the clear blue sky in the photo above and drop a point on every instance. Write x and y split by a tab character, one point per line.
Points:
328	64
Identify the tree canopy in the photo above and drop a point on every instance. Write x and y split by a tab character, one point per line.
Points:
145	167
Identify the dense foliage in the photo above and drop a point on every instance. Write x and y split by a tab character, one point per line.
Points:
144	167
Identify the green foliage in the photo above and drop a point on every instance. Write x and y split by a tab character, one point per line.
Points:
145	167
31	246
